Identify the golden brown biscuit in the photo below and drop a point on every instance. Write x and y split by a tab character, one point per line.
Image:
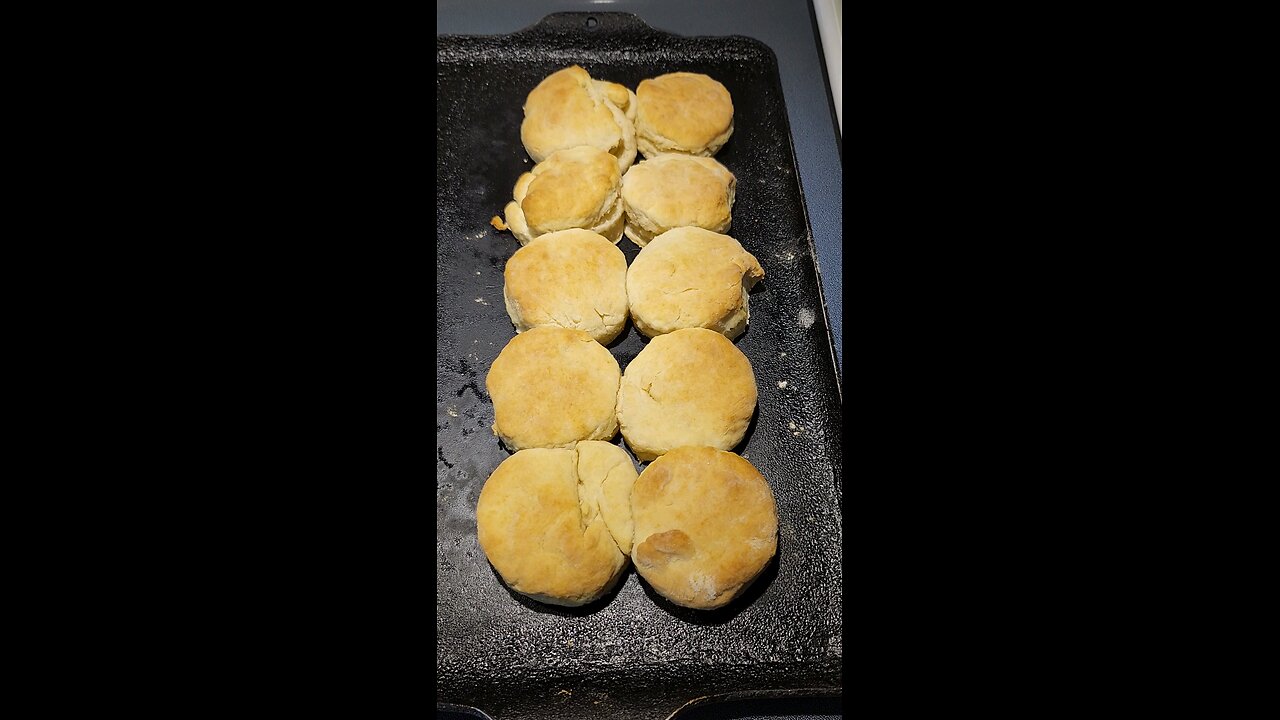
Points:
673	190
575	188
542	537
568	109
683	112
705	526
690	277
689	387
571	278
552	387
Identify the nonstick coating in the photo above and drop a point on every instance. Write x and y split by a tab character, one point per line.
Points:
632	654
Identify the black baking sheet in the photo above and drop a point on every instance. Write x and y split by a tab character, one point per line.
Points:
632	654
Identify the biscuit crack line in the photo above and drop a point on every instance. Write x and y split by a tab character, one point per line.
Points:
587	511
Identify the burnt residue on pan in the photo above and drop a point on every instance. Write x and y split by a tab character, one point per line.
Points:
632	655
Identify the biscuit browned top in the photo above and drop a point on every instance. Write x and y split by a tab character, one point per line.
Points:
690	277
551	387
683	112
673	190
566	110
705	526
571	278
573	188
543	537
689	387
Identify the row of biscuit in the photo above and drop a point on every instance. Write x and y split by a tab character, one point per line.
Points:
552	387
582	188
679	112
686	278
558	518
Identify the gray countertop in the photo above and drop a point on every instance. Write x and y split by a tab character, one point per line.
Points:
785	26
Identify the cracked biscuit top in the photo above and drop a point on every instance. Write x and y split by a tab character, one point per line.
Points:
572	279
551	387
692	278
556	523
568	109
671	191
575	188
683	112
689	387
705	526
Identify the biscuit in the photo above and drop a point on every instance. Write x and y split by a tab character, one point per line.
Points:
621	96
571	278
690	277
689	387
544	537
552	387
575	188
606	476
568	109
682	112
706	524
671	191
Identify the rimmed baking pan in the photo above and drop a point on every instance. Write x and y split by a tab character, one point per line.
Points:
633	654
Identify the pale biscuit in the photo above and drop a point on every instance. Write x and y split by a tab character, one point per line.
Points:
574	188
689	387
571	278
552	387
545	538
683	112
568	109
605	477
673	190
690	277
706	525
621	96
